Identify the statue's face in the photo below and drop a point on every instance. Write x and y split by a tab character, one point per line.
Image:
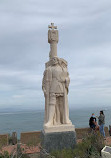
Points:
54	61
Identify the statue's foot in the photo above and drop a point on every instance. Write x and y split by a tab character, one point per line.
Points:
69	122
48	124
57	123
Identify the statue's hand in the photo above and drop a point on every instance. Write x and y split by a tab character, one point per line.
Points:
45	93
67	90
66	83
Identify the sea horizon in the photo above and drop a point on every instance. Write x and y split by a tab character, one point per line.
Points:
32	120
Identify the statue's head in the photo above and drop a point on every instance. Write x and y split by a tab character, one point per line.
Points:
55	60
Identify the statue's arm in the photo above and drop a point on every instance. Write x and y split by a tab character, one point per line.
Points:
44	82
47	78
67	82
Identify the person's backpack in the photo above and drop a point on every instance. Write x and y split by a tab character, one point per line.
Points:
91	121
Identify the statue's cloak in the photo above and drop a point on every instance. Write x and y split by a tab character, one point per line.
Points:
61	107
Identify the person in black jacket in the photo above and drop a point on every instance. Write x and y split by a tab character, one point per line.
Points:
92	122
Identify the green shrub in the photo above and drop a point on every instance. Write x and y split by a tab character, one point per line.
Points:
65	153
5	155
90	147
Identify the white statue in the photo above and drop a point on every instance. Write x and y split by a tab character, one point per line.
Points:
55	85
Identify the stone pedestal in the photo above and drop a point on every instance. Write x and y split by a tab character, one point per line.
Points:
58	138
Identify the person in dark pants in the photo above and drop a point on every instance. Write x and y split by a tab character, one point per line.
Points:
92	122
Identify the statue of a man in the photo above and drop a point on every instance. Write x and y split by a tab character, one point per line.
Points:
55	86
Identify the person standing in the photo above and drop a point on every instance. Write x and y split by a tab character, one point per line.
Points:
101	121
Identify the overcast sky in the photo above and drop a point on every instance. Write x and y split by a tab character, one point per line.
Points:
84	41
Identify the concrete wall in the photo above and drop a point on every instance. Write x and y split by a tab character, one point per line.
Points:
3	139
82	132
35	137
30	138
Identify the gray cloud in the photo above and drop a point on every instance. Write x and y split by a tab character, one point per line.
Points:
84	41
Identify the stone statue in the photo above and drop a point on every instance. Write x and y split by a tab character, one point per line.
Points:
58	132
55	85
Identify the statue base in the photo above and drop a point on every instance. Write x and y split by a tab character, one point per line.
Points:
61	138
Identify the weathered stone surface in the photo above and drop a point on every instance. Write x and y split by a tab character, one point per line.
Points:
14	138
3	139
106	152
108	149
30	138
59	128
58	140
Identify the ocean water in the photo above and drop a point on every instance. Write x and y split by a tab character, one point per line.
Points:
22	121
